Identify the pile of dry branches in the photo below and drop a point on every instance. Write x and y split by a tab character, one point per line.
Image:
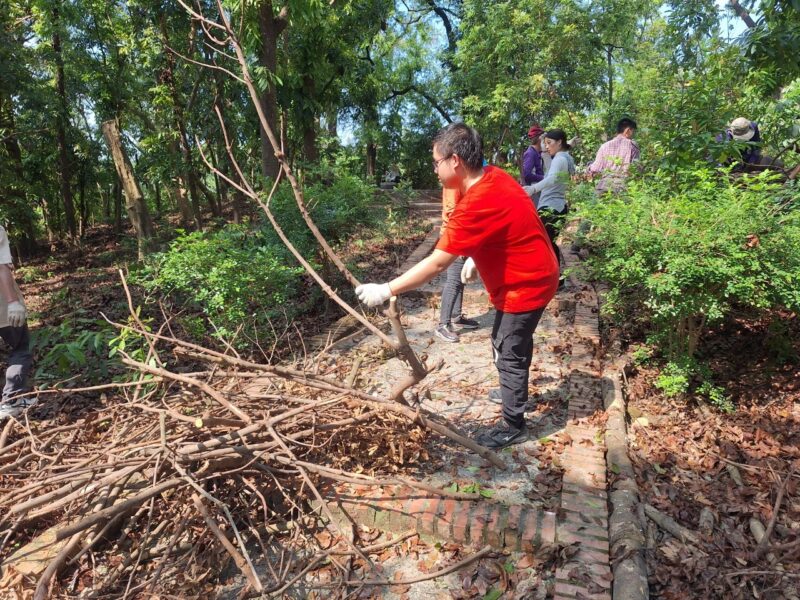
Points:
184	468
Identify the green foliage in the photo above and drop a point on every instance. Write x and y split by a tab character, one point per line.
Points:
779	343
775	41
243	276
233	277
642	355
674	379
715	395
680	255
679	376
77	346
338	202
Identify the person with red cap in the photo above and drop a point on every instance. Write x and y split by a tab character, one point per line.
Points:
532	165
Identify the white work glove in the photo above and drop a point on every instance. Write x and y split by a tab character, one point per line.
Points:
16	314
373	294
469	272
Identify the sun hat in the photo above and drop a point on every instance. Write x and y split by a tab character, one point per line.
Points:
742	130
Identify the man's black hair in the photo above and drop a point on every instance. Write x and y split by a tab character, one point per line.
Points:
458	138
624	123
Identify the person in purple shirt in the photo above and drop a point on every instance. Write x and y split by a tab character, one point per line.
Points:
532	165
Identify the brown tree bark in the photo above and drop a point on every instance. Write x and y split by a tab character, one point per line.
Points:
310	123
157	191
167	77
743	14
65	176
23	221
83	205
187	214
117	207
271	26
137	208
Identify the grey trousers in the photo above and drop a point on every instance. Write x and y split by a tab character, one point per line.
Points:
19	360
452	292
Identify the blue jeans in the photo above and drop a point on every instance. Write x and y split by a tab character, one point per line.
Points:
19	360
452	292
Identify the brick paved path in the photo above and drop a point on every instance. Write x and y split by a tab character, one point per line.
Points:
566	407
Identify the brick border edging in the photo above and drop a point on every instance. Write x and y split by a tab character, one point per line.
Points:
584	499
425	247
626	526
472	523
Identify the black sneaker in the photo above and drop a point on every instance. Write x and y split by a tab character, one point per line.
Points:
495	396
502	435
446	333
465	323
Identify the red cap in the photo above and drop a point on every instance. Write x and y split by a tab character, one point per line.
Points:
535	131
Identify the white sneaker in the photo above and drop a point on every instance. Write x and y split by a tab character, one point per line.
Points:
15	407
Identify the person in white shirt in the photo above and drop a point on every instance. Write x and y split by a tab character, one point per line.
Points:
14	331
551	202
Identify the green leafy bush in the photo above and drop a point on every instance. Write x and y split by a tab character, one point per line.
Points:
77	346
234	277
244	277
674	380
338	203
679	254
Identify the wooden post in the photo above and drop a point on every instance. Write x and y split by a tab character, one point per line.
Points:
134	201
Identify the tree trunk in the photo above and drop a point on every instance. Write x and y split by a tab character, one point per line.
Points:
610	66
187	215
310	124
190	175
83	206
332	122
48	223
137	208
372	161
270	26
62	118
371	125
23	218
743	14
105	198
117	207
157	190
222	164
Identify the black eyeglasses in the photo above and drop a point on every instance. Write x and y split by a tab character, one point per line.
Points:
436	162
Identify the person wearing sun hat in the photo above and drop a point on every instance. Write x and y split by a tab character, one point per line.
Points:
744	130
532	164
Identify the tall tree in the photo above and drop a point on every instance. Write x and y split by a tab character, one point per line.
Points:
62	122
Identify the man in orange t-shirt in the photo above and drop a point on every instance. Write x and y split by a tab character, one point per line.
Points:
495	224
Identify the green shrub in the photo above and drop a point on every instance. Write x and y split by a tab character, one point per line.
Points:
77	346
674	380
716	396
679	256
338	204
233	277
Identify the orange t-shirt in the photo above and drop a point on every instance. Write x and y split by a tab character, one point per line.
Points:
449	200
496	224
